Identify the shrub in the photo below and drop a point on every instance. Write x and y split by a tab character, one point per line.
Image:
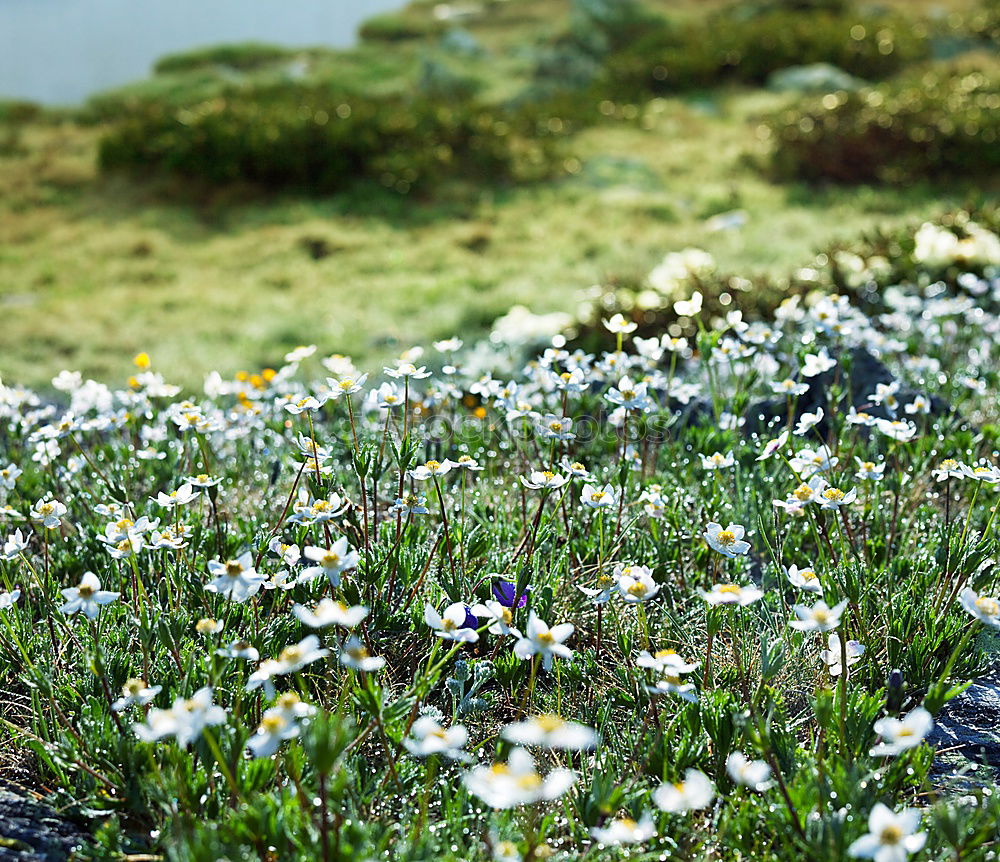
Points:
317	139
714	50
244	55
944	122
399	27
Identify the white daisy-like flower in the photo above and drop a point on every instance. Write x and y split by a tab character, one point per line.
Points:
899	735
728	541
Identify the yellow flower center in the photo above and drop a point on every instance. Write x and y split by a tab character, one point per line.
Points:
288	700
85	591
988	606
133	687
663	653
890	835
433	465
546	639
549	722
803	492
330	560
233	568
833	494
730	589
637	588
273	723
726	537
597	495
291	654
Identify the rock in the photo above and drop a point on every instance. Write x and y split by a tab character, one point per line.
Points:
967	736
30	831
866	372
814	78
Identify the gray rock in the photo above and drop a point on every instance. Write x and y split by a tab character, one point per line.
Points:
866	372
814	78
31	831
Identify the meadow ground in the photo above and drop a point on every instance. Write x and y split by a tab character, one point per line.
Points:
95	268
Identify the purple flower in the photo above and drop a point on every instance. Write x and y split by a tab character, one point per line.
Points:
471	621
505	592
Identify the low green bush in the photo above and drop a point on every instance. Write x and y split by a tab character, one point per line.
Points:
944	122
241	55
399	27
714	49
321	140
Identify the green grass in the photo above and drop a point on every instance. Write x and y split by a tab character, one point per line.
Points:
92	270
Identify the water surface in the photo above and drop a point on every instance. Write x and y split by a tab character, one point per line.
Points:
61	51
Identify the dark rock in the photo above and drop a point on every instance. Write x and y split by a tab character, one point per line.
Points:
865	374
31	831
967	736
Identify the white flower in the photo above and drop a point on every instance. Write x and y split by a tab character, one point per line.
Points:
541	640
185	720
49	512
919	404
982	473
750	773
690	307
819	618
807	421
301	352
898	735
729	541
241	649
891	837
805	579
517	782
553	427
355	656
619	325
8	600
236	579
718	460
789	387
539	479
817	363
329	561
599	498
833	498
897	429
182	496
551	731
405	369
431	469
636	584
14	546
869	471
330	613
279	723
624	830
773	446
450	626
808	462
87	597
631	396
135	691
832	656
986	609
427	737
694	792
499	616
731	594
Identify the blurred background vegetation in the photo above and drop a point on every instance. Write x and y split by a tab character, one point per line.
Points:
465	157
